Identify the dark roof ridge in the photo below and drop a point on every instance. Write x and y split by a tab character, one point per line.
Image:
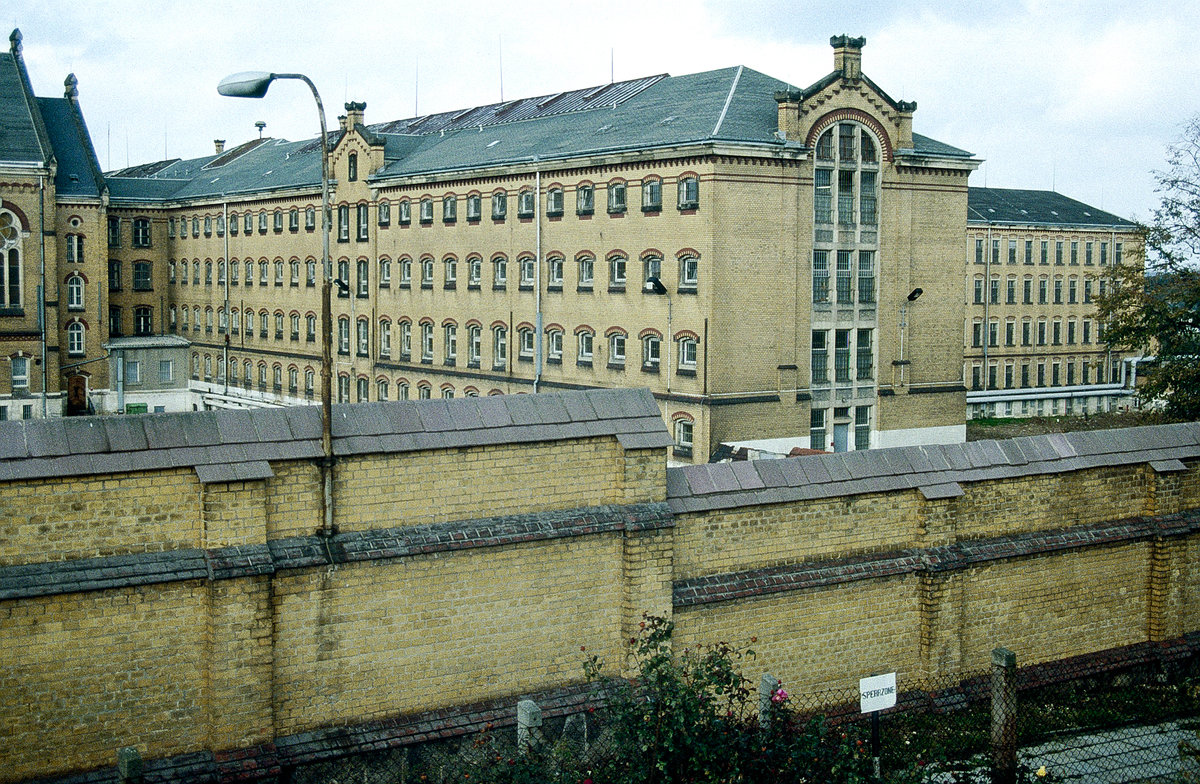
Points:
933	467
226	445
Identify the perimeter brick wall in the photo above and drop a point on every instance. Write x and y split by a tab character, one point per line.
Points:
213	629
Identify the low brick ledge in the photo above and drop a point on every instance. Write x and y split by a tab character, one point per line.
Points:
960	555
270	760
49	578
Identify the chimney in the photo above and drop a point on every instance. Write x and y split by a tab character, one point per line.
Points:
70	87
847	55
354	114
220	145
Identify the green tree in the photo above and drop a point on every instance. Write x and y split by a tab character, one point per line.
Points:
1157	309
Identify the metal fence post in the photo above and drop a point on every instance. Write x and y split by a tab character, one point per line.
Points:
529	720
767	685
1004	716
129	766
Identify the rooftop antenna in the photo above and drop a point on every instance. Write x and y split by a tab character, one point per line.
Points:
501	39
108	145
416	88
260	125
612	64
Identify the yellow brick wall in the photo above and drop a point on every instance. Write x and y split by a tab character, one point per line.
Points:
1050	501
754	537
234	514
83	674
819	639
415	488
1052	607
60	519
365	641
293	500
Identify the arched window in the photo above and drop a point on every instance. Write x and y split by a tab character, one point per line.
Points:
75	338
75	292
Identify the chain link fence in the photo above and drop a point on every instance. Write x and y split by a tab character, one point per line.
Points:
1064	722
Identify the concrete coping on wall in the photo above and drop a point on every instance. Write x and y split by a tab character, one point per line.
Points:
938	471
227	446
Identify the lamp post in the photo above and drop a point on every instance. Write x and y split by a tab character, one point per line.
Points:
254	84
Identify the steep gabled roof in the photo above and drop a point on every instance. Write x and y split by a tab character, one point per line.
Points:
78	170
23	137
1011	206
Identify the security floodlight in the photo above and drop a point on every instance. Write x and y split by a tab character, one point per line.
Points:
915	294
247	84
342	285
653	284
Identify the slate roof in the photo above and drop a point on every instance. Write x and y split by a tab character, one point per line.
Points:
78	170
731	105
225	446
936	471
1012	206
21	140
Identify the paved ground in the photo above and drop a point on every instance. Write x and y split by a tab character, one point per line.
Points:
1125	756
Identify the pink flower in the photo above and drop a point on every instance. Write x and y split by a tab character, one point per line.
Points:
778	696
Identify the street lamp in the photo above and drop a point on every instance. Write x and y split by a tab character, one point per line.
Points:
254	84
655	286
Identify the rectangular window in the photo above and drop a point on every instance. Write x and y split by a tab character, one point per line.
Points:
820	276
689	193
450	338
500	348
1012	251
343	234
616	197
1028	251
1045	258
1087	254
363	221
844	281
841	356
449	209
1026	333
1010	292
585	200
141	232
845	198
820	356
651	195
114	232
978	250
866	276
994	291
1070	333
1074	253
1028	298
1010	333
1058	253
866	365
816	429
385	212
824	196
1103	254
866	202
1118	254
862	427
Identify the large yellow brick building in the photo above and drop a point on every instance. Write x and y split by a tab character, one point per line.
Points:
1033	346
772	263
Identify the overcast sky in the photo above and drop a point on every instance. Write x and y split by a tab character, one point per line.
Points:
1081	97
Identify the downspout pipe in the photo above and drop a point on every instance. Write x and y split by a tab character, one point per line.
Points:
228	270
537	283
42	327
985	332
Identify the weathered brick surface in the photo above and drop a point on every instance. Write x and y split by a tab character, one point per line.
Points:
225	638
